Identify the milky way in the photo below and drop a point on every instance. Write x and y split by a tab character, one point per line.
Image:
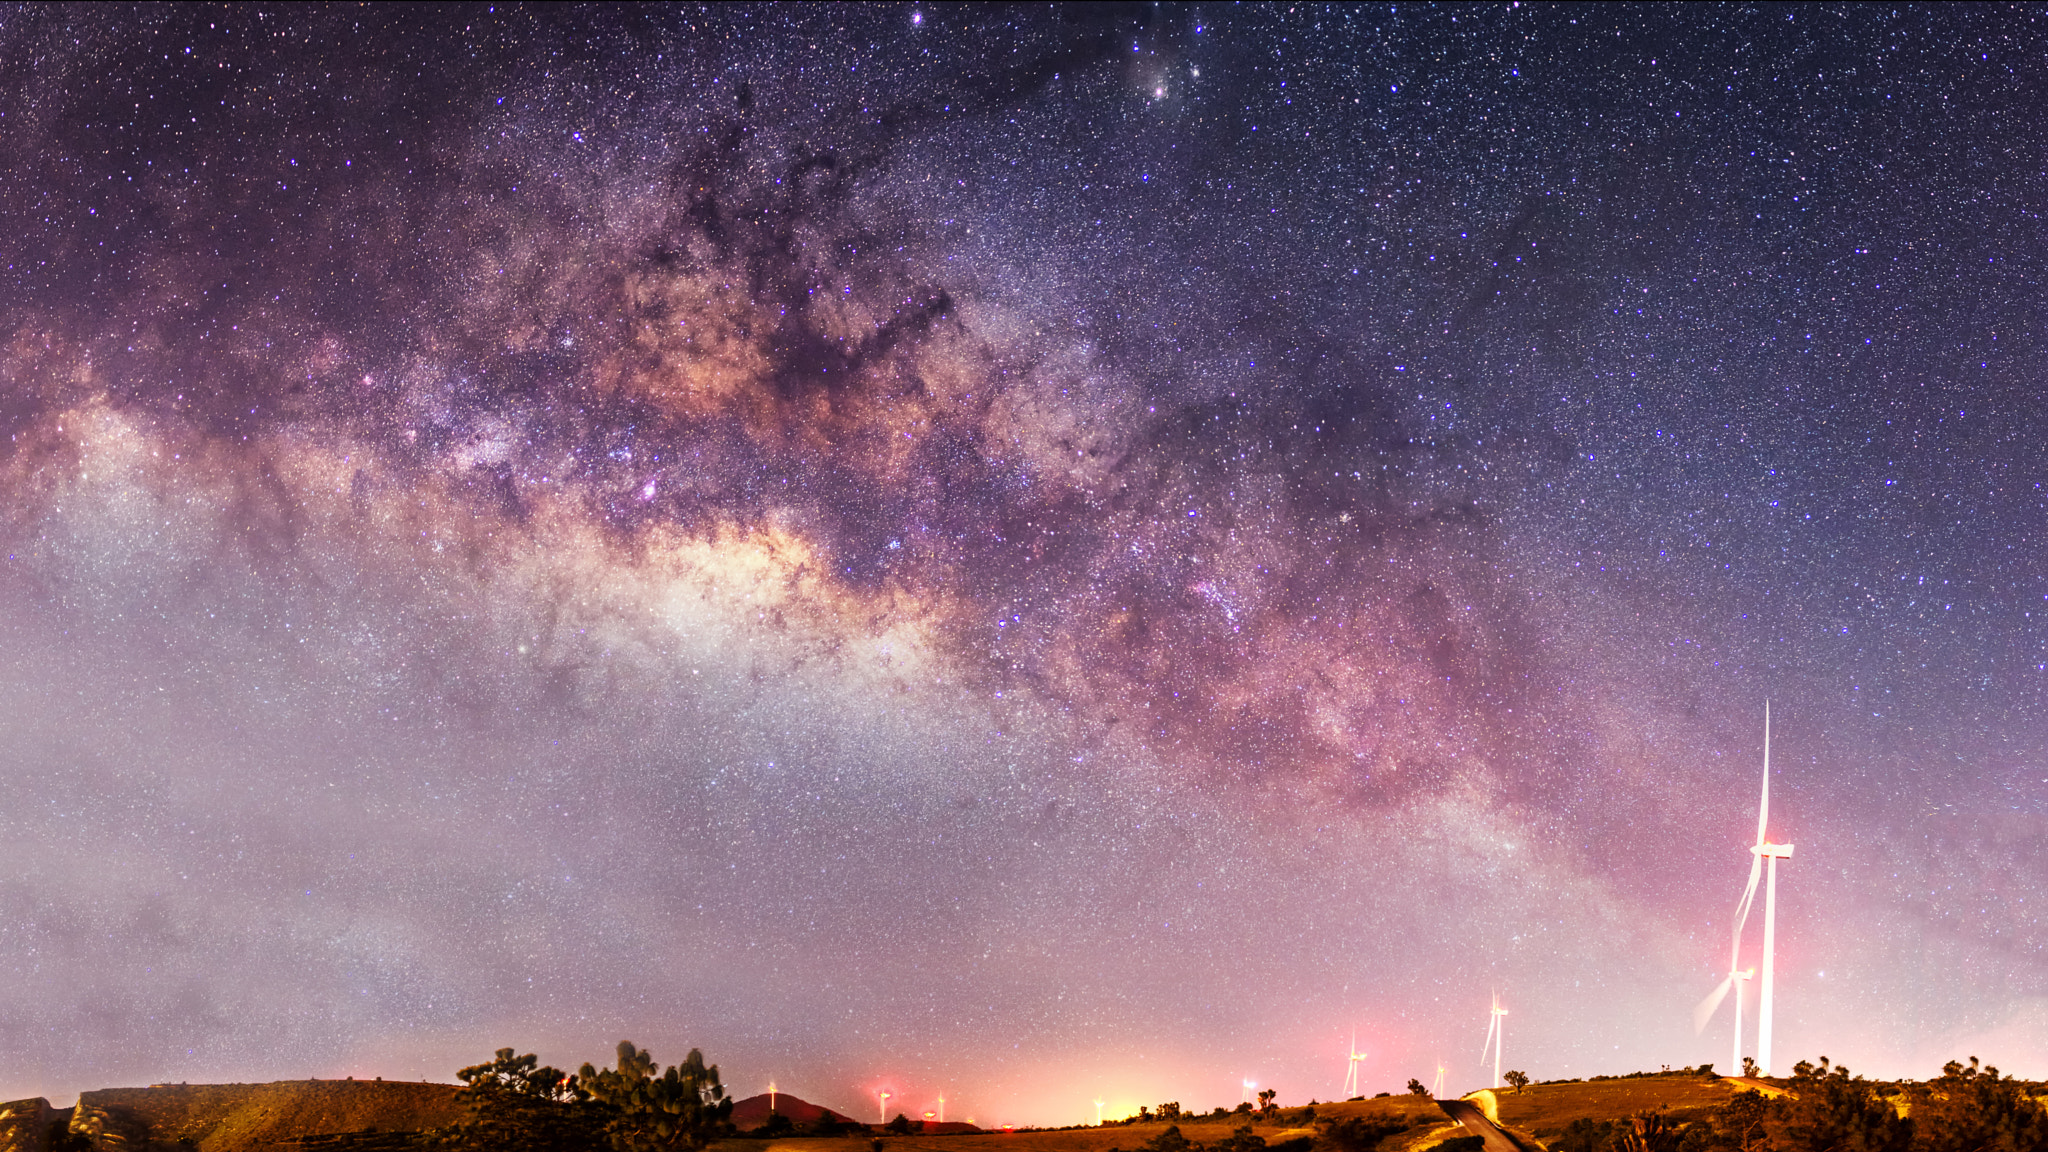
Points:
1038	555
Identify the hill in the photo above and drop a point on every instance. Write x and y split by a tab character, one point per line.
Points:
238	1117
754	1111
1543	1110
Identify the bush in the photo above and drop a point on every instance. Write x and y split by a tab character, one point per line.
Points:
1973	1110
1170	1140
1356	1134
1584	1135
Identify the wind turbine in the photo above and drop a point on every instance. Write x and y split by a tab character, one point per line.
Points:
1351	1077
1098	1113
883	1107
942	1109
1763	864
1495	1030
771	1097
1248	1086
1436	1086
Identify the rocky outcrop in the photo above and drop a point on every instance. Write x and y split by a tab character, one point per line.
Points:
110	1128
323	1114
25	1125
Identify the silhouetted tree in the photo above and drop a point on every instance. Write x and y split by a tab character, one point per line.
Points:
1517	1080
1417	1087
779	1124
1267	1096
900	1125
1972	1109
514	1102
683	1108
1832	1113
518	1076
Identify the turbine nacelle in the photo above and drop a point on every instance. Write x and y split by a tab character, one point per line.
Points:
1781	851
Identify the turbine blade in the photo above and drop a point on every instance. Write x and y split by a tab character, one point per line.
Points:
1742	909
1705	1011
1763	806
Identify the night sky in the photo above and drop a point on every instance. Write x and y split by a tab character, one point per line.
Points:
1029	554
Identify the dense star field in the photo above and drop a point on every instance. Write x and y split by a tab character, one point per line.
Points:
1033	554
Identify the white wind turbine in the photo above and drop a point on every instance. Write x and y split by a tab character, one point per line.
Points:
1351	1077
1436	1086
1763	865
1495	1030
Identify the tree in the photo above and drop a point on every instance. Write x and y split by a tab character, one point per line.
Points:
1832	1113
518	1076
1972	1109
1749	1067
513	1102
683	1108
1517	1081
1417	1088
900	1125
1267	1096
779	1124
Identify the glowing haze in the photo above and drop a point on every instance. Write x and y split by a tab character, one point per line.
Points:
1029	555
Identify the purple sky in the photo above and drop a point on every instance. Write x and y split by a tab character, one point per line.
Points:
1025	555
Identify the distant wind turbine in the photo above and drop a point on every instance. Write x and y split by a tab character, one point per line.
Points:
1351	1076
884	1107
771	1096
1763	865
1098	1113
1436	1086
1495	1030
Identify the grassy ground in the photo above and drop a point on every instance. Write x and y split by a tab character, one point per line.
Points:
1289	1124
1544	1109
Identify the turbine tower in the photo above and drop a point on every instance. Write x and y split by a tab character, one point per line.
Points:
883	1106
1763	865
1736	1056
1436	1086
1495	1029
1351	1077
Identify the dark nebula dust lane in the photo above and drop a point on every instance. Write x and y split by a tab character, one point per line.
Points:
1033	554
